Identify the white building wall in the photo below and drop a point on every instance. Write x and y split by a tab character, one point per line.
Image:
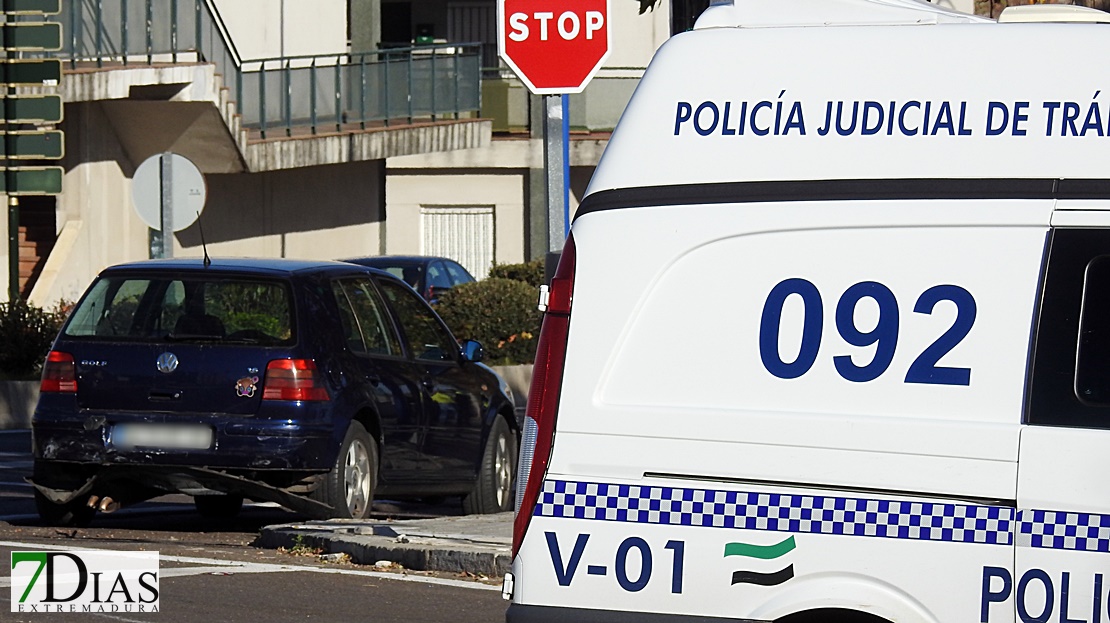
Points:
636	37
407	191
323	212
272	28
98	225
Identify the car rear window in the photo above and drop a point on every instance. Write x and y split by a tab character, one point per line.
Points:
234	311
408	272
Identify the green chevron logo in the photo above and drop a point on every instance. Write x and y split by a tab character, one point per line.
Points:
762	552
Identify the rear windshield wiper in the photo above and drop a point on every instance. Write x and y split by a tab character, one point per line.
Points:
240	340
192	337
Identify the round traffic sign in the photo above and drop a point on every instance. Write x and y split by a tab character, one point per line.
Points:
183	180
554	46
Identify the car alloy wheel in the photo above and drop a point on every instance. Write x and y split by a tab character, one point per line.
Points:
356	478
493	489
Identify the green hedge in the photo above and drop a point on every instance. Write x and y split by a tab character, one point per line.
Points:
530	273
26	333
500	313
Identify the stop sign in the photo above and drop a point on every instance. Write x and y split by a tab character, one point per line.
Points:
554	46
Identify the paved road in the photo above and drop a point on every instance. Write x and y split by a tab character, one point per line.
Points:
15	464
211	571
204	583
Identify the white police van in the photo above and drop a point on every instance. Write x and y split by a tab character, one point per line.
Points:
830	340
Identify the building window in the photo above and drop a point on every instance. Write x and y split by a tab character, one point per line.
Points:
462	233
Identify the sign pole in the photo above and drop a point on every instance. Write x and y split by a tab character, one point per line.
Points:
165	235
9	175
566	165
13	246
530	33
553	163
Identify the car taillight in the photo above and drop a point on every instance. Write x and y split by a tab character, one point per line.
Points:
543	397
293	379
59	374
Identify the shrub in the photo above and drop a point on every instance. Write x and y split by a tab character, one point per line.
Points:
530	272
26	333
500	313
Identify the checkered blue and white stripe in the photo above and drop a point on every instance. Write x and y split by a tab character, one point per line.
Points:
895	519
1059	530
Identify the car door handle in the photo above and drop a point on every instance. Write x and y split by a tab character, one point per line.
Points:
164	396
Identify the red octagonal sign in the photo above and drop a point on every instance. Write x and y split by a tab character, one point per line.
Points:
554	46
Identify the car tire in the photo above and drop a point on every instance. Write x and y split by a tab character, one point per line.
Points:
218	506
71	514
493	491
348	489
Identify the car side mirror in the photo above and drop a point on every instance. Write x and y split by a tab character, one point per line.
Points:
473	351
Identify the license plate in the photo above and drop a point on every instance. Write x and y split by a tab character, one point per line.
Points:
162	436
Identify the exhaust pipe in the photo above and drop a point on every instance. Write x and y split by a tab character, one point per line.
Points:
92	502
108	505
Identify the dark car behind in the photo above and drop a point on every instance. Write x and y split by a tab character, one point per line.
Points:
428	275
312	384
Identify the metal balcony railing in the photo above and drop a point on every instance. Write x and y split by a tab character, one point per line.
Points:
337	92
286	95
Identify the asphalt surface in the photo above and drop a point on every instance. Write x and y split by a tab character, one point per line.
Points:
411	536
204	583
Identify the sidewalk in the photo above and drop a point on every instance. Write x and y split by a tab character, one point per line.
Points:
477	544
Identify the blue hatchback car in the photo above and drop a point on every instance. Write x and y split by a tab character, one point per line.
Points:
316	385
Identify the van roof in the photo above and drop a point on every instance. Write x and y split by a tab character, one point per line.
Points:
864	102
781	13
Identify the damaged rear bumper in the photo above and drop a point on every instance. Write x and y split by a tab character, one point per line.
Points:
236	443
77	457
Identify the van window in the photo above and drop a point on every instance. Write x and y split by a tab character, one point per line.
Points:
1092	370
1070	383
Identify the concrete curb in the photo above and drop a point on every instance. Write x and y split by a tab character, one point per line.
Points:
476	544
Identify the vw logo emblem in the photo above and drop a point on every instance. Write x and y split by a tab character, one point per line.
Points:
167	362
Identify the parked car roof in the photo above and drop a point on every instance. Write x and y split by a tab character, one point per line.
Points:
234	264
385	259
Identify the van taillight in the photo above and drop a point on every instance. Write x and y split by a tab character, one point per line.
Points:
543	397
59	374
293	379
